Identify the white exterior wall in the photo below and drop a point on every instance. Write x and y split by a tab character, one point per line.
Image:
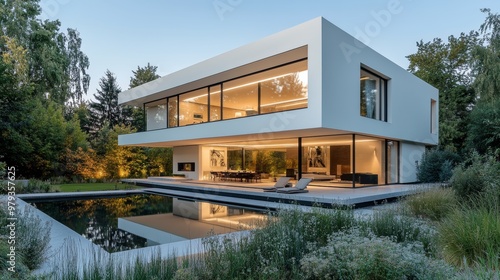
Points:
258	127
409	98
410	156
188	154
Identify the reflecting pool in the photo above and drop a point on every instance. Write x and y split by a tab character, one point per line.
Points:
137	221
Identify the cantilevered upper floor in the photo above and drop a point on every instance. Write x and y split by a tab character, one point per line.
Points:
312	79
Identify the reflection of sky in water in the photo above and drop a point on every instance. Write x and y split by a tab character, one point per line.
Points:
97	219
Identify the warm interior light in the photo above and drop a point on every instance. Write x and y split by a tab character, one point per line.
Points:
286	101
191	99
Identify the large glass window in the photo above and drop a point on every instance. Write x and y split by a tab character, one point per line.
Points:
274	90
240	97
284	88
328	159
369	161
173	112
393	162
372	96
193	107
156	114
215	106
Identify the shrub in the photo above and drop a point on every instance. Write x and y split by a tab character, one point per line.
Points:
27	186
433	203
401	228
436	166
353	255
478	175
471	236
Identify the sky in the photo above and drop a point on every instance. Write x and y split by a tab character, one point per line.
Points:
121	35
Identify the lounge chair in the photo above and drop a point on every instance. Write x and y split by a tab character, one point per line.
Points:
300	187
280	184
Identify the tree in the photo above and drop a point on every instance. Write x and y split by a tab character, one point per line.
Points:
79	80
484	126
36	81
120	161
446	66
105	111
487	59
141	76
51	61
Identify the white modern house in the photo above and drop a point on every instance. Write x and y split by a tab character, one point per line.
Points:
307	101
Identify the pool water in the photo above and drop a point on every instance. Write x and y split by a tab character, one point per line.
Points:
98	219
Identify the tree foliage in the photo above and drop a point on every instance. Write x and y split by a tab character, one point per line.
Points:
143	75
484	126
446	66
484	121
36	81
487	59
45	59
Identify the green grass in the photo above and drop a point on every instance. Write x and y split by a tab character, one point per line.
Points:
86	187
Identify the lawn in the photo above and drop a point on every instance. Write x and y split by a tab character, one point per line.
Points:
85	187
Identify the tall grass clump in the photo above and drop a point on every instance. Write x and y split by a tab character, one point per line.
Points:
355	255
436	166
433	203
471	236
31	242
33	237
74	264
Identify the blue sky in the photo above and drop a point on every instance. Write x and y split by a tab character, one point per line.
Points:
120	35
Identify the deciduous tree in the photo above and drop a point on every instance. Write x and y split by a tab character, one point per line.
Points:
446	66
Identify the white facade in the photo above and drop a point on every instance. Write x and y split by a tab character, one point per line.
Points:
334	61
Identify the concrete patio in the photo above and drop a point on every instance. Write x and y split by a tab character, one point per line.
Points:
252	194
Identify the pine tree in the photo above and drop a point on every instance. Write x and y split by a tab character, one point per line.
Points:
106	111
141	76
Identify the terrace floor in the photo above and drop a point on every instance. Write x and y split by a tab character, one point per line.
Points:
252	194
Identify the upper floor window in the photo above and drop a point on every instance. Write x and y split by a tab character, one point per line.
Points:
373	95
272	90
156	114
434	116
